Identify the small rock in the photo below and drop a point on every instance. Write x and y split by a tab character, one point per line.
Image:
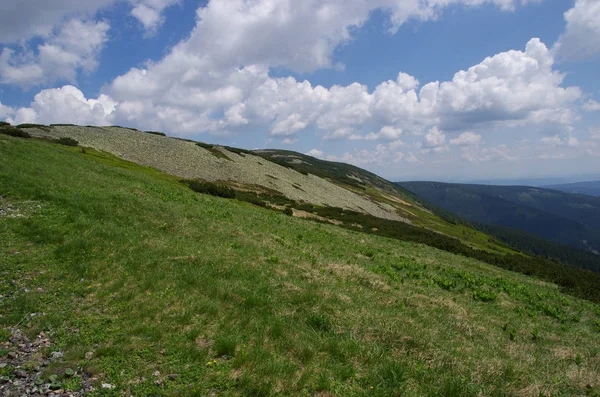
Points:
158	382
3	365
173	376
89	355
20	373
56	355
12	355
156	374
108	386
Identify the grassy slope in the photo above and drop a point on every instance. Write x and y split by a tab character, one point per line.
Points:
383	198
150	276
566	218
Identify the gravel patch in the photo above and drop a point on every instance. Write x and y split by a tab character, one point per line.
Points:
26	362
187	160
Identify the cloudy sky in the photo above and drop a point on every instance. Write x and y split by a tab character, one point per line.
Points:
410	89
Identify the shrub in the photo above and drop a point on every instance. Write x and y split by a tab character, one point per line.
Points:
288	211
12	131
66	141
155	133
254	200
4	124
206	146
210	188
38	126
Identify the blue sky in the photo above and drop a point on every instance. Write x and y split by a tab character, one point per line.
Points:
410	89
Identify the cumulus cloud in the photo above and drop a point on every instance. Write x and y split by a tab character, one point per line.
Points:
20	20
591	106
466	139
381	155
557	140
75	47
67	105
476	154
217	80
5	112
315	153
183	92
581	39
150	13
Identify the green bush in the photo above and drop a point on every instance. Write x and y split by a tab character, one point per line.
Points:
155	133
4	124
12	131
210	188
38	126
288	211
66	141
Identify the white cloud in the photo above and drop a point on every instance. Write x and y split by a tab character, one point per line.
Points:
510	89
592	106
552	156
288	141
595	134
150	12
581	39
75	47
20	20
476	154
435	141
6	112
315	153
466	139
387	133
557	140
381	155
434	137
67	105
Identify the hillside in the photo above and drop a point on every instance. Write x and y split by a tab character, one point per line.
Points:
566	218
589	188
297	177
141	286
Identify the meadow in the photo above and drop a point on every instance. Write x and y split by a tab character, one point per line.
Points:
158	290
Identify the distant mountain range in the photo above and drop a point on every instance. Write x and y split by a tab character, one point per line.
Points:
566	218
589	188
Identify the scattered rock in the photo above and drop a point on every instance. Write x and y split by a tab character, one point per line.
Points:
26	356
89	355
108	386
56	355
156	374
173	376
21	374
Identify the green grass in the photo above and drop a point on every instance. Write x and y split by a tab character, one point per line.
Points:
239	300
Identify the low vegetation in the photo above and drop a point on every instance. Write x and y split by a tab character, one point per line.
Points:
66	141
154	280
156	290
7	129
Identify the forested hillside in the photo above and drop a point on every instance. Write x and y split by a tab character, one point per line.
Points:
565	218
589	188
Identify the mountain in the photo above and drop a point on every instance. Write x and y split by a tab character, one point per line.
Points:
127	280
589	188
569	219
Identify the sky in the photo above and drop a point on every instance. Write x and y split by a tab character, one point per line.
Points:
409	89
